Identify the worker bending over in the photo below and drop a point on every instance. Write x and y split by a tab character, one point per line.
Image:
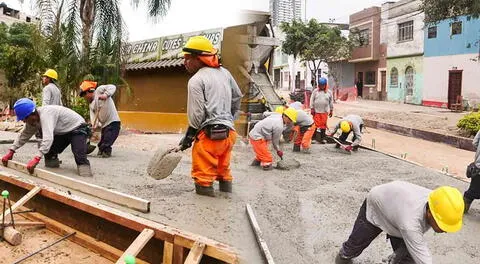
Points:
473	172
321	107
346	125
60	127
305	128
405	212
269	129
103	111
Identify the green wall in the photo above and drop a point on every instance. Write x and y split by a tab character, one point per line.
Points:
398	93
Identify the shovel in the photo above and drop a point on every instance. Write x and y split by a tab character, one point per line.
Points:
341	144
90	146
163	163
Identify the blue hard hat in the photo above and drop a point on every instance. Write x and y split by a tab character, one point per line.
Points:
23	108
322	81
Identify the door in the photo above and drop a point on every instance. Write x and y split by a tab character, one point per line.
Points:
409	84
276	78
383	95
454	86
359	84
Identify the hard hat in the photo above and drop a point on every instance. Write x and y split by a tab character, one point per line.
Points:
345	126
280	109
291	113
86	86
446	205
322	81
23	108
51	74
199	45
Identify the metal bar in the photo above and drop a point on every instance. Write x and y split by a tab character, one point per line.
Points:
3	218
24	212
36	252
11	215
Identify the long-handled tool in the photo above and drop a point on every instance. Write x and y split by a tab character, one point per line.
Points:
342	145
90	146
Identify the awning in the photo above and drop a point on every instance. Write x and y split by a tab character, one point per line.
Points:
154	64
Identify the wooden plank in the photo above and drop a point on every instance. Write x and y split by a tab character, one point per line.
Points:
123	199
215	250
259	235
137	244
178	254
38	224
196	253
167	253
22	201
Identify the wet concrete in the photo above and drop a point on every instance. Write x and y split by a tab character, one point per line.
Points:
305	214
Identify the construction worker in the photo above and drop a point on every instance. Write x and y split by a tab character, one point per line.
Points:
213	100
473	172
51	94
305	128
321	107
61	127
348	124
405	212
102	111
270	129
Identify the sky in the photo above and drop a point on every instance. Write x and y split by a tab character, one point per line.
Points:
194	15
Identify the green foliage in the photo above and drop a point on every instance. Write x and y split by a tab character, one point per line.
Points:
470	123
80	105
436	10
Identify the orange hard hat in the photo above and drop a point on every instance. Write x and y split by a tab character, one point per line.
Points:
86	86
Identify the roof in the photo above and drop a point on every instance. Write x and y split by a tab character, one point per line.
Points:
154	64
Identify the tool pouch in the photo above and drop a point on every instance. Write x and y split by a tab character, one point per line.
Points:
472	170
217	132
83	129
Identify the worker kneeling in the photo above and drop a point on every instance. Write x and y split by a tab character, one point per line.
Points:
59	126
270	129
348	124
405	212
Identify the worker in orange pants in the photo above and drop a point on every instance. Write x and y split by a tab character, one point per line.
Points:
321	107
305	128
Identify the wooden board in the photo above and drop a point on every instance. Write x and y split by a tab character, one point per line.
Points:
123	199
167	253
258	234
137	245
196	253
22	201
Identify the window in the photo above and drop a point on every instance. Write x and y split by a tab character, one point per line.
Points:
394	77
457	28
370	78
432	32
364	37
405	31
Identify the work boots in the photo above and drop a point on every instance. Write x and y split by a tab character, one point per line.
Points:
306	151
267	167
225	186
204	190
323	136
341	260
52	162
84	170
468	203
255	163
296	148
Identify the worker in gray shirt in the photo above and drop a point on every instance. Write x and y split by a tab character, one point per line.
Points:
103	112
51	94
305	128
61	127
348	124
473	172
405	212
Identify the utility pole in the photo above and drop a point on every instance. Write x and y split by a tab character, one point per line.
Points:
305	11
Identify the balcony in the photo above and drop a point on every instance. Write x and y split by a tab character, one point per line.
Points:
362	53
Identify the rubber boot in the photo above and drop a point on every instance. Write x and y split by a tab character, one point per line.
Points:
267	167
296	148
52	162
106	154
323	136
84	170
204	190
306	151
255	163
341	260
225	186
318	136
468	203
100	153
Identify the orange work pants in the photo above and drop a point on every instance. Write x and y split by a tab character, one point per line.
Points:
262	153
320	120
305	139
211	159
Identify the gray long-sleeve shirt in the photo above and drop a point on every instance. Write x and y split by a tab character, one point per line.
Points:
475	142
356	122
398	208
213	98
321	101
54	120
51	95
303	119
270	129
107	112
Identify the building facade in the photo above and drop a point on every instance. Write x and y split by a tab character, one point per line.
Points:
451	62
369	57
285	11
402	28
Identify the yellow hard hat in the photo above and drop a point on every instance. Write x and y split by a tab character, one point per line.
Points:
446	205
51	74
345	126
280	109
291	113
199	45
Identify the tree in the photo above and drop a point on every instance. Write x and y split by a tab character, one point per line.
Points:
436	10
295	41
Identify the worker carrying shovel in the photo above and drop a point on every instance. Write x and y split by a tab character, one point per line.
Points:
473	172
103	111
348	124
60	126
270	129
405	212
213	100
321	107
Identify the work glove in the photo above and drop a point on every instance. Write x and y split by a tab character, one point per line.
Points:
33	163
330	114
7	157
312	111
347	148
188	139
280	153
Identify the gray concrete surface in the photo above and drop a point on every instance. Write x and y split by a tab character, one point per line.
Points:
305	214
